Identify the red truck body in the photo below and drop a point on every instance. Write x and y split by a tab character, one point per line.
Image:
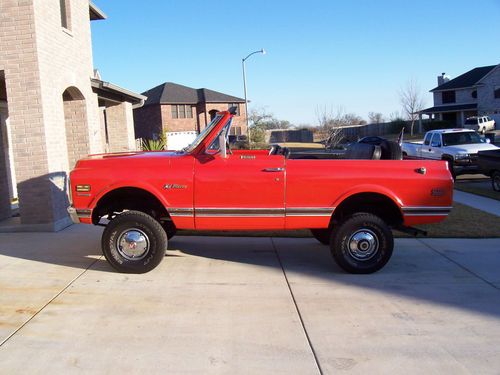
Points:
205	189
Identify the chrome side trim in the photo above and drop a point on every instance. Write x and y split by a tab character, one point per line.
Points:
310	211
426	210
240	212
184	212
251	212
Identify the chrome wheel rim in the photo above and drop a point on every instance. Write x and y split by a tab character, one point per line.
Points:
363	244
133	244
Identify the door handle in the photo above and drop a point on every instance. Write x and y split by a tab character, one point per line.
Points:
273	169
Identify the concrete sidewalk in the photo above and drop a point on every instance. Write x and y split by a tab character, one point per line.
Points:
489	205
247	305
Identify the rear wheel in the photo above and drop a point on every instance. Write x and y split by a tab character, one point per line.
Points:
134	242
495	180
322	235
362	243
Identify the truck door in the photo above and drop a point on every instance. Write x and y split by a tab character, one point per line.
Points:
242	190
433	149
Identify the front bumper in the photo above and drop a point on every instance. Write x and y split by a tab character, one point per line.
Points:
77	214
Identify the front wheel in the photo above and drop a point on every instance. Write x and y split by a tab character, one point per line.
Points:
134	242
362	243
495	180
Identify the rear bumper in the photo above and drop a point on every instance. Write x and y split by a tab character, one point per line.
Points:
77	214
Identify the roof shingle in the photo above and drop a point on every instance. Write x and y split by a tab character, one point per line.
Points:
467	79
173	93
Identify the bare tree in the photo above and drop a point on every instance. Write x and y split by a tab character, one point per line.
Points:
412	101
330	125
375	117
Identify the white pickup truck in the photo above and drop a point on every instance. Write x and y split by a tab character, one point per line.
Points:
459	147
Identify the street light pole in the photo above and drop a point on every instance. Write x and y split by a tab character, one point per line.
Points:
245	87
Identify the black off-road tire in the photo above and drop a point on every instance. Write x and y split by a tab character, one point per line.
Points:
495	180
322	235
149	234
362	243
391	150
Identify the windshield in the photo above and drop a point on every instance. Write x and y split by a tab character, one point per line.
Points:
215	146
461	138
202	135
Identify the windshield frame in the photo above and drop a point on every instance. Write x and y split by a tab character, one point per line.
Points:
203	134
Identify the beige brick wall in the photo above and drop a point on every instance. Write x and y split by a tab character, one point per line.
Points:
77	137
120	123
41	60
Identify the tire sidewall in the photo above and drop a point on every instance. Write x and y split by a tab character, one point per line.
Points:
495	181
340	243
156	236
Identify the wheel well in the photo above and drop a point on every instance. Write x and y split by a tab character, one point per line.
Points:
374	203
128	198
447	157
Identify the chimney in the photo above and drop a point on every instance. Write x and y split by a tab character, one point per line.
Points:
443	78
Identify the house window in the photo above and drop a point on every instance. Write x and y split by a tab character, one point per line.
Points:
182	111
449	97
237	105
497	92
474	94
65	14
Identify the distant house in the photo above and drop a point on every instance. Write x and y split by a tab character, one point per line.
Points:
173	108
474	93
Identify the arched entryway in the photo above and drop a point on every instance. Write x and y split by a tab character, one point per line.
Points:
212	114
76	125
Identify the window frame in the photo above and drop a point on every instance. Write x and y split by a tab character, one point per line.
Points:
448	96
65	13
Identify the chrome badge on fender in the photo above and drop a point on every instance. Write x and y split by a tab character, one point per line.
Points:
174	186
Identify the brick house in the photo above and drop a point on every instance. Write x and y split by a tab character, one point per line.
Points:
175	108
54	109
476	92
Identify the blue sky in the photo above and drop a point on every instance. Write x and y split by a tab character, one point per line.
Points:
355	54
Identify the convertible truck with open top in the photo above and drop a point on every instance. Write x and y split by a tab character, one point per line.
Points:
142	198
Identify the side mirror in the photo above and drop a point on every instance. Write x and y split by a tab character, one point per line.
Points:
222	146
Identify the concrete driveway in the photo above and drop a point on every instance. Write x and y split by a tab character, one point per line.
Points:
247	305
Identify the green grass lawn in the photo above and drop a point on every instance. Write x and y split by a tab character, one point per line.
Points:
463	221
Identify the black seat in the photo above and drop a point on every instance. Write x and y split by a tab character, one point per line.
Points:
364	151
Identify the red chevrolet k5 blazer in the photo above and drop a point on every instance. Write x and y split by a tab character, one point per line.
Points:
350	204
